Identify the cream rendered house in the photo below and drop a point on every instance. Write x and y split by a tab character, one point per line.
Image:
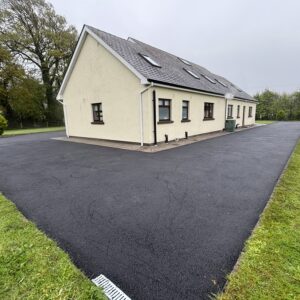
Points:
125	90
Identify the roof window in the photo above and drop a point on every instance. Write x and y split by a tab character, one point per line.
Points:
150	60
222	83
208	78
185	61
191	73
236	87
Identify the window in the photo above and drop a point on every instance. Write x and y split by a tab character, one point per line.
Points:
229	111
222	83
238	89
250	112
164	110
97	113
185	110
208	111
208	78
191	73
185	61
150	60
238	111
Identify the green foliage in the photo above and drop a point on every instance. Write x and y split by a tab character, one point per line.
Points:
269	268
281	115
41	40
275	106
3	124
26	100
33	267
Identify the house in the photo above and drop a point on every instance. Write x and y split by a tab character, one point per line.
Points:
126	90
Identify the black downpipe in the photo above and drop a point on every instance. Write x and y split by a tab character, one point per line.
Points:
186	135
154	118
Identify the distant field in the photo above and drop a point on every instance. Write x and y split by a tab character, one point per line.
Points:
264	121
12	132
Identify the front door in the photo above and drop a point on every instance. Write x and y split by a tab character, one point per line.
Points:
244	112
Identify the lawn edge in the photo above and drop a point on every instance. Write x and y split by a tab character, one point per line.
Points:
271	198
55	247
29	133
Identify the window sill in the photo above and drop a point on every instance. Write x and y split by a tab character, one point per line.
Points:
185	120
98	123
165	122
208	119
229	118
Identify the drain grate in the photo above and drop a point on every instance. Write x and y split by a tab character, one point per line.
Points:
109	288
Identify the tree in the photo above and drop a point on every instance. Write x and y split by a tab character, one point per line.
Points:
3	124
41	39
281	115
11	73
21	95
27	99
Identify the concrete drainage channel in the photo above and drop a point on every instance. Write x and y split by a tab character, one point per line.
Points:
111	291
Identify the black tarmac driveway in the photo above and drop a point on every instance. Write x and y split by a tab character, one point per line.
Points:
168	225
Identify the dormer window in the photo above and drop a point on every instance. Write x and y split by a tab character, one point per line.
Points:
208	78
185	61
150	60
191	73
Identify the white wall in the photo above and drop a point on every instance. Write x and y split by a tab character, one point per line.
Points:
197	124
248	120
99	77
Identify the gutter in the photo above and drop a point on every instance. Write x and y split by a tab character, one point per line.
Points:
174	87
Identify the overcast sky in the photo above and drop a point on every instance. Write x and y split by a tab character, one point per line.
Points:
254	43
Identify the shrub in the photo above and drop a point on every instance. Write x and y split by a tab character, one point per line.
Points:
3	124
281	115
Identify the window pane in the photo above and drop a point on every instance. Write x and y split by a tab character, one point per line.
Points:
164	113
184	113
161	102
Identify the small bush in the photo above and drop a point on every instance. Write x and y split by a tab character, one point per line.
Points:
3	124
281	115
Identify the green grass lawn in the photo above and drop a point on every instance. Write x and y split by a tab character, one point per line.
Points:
12	132
33	267
264	121
269	267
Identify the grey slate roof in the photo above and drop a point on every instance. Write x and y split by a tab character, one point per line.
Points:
171	71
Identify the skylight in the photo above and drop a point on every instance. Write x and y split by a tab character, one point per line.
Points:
208	78
185	61
191	73
236	87
150	60
222	83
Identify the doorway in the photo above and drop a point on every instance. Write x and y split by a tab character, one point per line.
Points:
244	112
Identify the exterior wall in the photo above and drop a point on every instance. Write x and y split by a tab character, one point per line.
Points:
248	120
99	77
197	124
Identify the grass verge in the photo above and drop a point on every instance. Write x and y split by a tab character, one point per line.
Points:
269	267
264	121
12	132
32	266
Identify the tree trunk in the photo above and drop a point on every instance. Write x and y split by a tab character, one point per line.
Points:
48	92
